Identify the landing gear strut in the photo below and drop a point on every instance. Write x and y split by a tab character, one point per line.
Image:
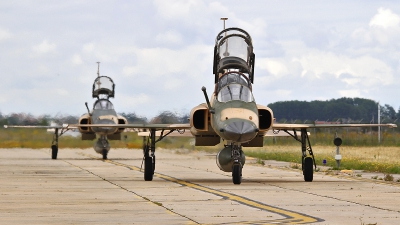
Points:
104	144
54	145
237	165
307	161
149	157
149	149
104	153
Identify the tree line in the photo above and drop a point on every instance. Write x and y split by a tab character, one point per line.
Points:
46	120
348	110
345	110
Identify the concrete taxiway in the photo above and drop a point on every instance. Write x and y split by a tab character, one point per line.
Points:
188	188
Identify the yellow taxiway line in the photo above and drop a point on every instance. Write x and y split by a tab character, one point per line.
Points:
291	217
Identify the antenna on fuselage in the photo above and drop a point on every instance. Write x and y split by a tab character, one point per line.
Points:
226	53
98	75
98	69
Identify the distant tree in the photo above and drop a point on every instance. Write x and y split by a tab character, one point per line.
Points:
134	118
166	117
355	109
64	119
398	114
388	112
184	118
25	119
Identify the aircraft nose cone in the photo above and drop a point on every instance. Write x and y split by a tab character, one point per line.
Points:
240	131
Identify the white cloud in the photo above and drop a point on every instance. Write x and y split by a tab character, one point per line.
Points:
3	99
87	48
157	62
169	37
4	34
178	9
131	101
44	47
77	60
129	71
276	67
369	70
351	93
172	84
383	32
385	18
62	92
194	13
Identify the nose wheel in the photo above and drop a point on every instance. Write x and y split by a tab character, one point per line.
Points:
104	153
237	166
237	173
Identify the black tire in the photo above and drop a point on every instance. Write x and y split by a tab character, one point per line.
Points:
54	151
237	174
154	164
148	169
308	169
104	153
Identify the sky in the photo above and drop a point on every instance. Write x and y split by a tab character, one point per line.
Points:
159	53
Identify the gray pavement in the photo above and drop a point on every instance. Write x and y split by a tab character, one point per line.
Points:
81	188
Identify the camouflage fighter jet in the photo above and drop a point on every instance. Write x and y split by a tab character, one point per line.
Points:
232	114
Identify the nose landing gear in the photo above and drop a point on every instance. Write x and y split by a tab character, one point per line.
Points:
237	165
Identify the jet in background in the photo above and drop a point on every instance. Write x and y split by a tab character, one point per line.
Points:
102	113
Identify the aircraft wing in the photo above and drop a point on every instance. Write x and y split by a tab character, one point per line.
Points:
284	126
142	126
175	133
34	126
276	133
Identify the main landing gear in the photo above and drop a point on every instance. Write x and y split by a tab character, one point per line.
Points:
54	143
149	149
307	160
237	165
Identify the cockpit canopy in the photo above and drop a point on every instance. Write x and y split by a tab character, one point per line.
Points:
103	85
233	50
234	86
103	104
233	77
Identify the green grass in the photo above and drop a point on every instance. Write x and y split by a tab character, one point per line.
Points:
348	162
373	158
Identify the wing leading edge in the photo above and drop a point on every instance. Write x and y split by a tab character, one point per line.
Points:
283	126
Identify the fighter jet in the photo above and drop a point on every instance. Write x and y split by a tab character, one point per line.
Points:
103	121
102	113
232	114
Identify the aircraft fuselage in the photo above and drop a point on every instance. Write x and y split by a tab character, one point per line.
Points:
235	121
104	117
